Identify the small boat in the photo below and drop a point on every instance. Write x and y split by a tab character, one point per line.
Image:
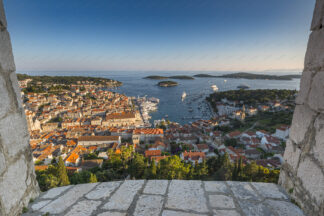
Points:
214	87
225	81
243	86
184	95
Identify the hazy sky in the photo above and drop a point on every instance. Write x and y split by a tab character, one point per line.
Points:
226	35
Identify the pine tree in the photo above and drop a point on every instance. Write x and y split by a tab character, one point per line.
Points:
62	173
153	170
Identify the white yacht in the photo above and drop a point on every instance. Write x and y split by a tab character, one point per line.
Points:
214	87
184	95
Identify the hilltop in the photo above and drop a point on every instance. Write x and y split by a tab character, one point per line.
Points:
243	75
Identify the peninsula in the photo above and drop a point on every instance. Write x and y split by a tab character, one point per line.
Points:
184	77
243	75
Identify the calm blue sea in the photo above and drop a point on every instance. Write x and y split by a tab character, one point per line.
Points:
171	105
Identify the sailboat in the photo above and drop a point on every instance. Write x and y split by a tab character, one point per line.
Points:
184	95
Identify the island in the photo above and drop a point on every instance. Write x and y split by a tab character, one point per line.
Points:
244	75
183	77
167	84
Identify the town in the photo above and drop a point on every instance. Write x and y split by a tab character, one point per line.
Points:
85	125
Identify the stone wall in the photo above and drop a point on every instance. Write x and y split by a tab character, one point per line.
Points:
302	175
17	177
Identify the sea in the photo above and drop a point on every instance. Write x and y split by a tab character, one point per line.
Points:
171	105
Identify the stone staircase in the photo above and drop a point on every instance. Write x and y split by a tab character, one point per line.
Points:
166	198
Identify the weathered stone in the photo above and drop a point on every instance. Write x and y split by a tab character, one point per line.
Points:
255	209
110	213
301	121
156	187
218	212
40	204
268	190
149	205
292	154
243	190
186	195
84	208
178	213
103	190
54	192
314	59
6	57
212	186
221	201
312	177
318	15
3	21
318	148
13	183
14	133
5	105
305	86
283	208
14	82
316	93
123	197
2	163
68	199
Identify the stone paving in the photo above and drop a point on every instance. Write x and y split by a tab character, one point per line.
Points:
165	198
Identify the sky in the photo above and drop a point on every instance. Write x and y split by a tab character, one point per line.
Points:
159	35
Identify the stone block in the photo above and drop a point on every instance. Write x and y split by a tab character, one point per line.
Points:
314	59
177	213
110	213
213	186
318	148
302	119
123	197
84	208
283	208
4	95
305	86
251	208
7	63
3	21
65	201
318	15
269	190
2	163
54	192
243	190
103	190
316	94
227	212
156	187
187	195
14	133
40	205
149	205
221	201
292	154
13	186
312	178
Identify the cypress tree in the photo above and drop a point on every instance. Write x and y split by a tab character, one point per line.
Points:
62	173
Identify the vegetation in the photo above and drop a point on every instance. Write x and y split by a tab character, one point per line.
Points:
259	76
156	77
204	75
253	97
64	80
135	165
167	84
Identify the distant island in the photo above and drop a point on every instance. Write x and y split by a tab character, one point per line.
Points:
184	77
251	76
167	84
68	80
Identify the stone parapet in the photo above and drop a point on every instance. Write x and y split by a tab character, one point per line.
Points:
166	198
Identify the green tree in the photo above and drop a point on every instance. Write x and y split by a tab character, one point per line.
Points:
62	173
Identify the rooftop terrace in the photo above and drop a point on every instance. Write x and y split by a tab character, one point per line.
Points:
167	198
